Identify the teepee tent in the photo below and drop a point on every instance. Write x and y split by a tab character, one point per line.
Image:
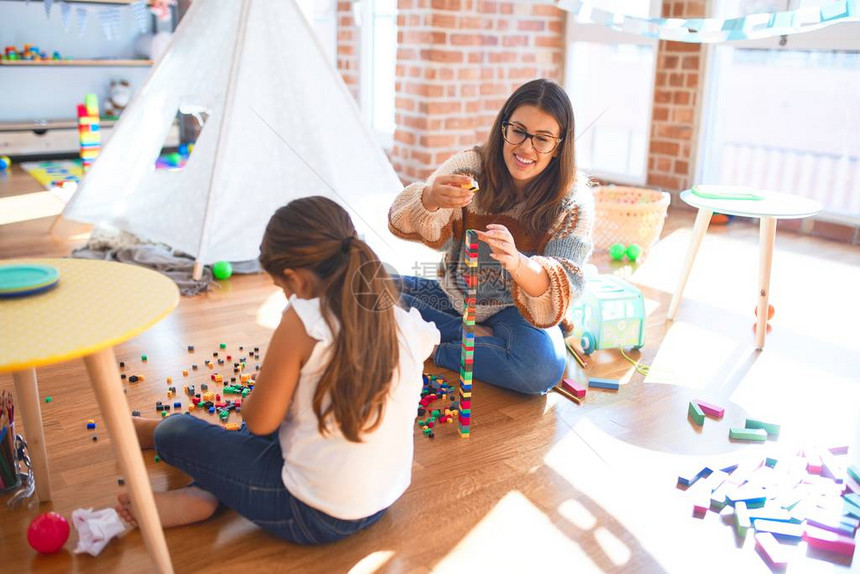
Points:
281	125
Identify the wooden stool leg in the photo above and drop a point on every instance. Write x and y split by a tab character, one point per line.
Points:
27	391
767	237
104	373
703	218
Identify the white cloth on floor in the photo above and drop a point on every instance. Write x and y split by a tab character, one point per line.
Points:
96	528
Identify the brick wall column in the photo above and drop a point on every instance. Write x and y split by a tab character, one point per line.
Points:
348	47
677	99
457	62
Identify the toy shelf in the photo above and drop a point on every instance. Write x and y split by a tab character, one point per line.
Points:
67	63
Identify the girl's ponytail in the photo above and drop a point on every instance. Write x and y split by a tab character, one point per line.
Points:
357	303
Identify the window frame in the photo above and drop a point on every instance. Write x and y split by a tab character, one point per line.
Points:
599	34
366	22
847	38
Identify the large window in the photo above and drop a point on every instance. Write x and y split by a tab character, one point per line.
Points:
609	76
378	24
782	114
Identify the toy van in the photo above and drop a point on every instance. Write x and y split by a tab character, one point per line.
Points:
609	314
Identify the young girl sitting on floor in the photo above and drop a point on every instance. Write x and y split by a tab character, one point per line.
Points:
340	384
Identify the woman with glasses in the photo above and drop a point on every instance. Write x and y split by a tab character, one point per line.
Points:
533	214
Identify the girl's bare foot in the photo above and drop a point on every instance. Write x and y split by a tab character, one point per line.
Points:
175	507
145	429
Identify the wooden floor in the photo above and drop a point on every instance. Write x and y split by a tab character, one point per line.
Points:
543	484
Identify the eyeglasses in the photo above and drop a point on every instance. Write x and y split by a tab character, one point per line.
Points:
542	143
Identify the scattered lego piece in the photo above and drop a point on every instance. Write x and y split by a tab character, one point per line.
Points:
232	426
696	414
133	379
135	413
771	428
829	541
169	380
574	388
223	345
190	348
95	437
122	376
774	553
611	384
120	481
143	358
759	435
49	399
157	458
710	410
91	424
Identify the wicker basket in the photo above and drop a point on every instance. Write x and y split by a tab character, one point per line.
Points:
628	215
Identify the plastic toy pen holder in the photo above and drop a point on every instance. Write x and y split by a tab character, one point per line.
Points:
9	478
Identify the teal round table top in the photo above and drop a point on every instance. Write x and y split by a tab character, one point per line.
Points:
770	204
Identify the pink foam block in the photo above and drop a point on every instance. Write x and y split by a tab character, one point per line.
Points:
711	410
775	554
828	541
573	388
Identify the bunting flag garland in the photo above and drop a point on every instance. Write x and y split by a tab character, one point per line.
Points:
66	13
82	14
140	14
712	30
110	21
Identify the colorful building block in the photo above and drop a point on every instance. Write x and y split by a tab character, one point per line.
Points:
690	477
742	520
611	384
574	388
758	435
771	428
788	530
829	541
772	551
710	410
695	413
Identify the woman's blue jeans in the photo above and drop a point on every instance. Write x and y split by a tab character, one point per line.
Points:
519	356
243	471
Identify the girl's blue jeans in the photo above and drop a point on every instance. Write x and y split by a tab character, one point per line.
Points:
519	356
243	471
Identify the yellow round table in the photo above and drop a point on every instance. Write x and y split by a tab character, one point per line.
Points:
96	305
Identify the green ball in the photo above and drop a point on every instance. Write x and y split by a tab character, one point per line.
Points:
222	270
633	252
616	252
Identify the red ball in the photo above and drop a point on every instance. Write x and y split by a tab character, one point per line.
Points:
48	532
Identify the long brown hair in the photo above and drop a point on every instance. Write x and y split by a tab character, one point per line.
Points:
543	197
317	234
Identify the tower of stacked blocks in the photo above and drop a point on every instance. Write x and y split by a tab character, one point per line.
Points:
88	131
467	356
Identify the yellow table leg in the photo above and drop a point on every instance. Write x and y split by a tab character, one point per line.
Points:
28	399
104	373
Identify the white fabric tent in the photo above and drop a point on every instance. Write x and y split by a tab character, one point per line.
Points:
281	125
